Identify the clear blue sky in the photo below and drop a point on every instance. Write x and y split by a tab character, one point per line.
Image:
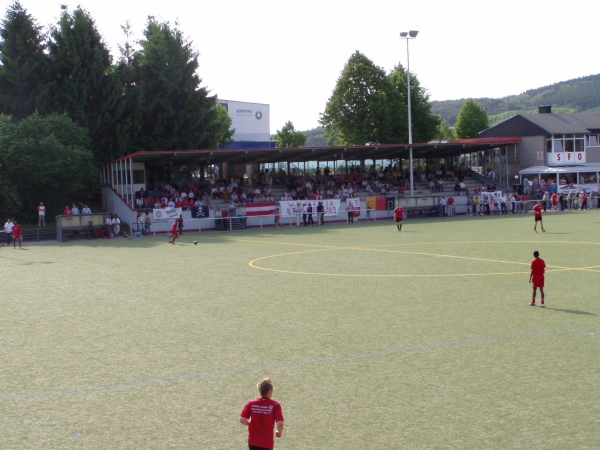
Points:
290	54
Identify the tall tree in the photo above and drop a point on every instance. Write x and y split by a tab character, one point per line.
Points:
176	113
289	137
85	84
23	62
44	159
424	124
471	120
446	132
358	110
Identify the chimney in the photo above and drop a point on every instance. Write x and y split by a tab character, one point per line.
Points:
546	109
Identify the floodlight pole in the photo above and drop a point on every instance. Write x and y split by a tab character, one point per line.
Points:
410	35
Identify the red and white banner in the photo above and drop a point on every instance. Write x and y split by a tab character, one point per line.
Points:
260	209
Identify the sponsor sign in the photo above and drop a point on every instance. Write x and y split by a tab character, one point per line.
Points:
167	213
291	208
566	158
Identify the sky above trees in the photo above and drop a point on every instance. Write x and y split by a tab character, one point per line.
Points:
290	54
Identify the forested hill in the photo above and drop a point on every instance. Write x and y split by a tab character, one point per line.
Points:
581	95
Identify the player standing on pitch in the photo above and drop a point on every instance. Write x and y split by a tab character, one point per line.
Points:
399	216
537	212
174	235
536	278
261	415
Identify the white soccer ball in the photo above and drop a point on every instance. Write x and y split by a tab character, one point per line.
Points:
195	242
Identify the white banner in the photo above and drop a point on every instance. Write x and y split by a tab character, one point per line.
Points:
485	196
167	213
291	208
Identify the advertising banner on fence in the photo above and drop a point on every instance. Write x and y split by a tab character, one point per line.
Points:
167	213
290	208
485	196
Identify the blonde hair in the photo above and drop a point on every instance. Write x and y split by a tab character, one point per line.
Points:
264	387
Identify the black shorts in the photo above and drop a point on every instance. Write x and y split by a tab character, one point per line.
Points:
254	447
538	218
398	219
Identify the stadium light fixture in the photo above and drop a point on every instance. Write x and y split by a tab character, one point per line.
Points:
409	35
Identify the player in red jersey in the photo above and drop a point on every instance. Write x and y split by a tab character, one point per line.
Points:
536	278
174	235
399	216
537	212
16	235
260	416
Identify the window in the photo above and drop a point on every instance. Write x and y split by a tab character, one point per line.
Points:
592	140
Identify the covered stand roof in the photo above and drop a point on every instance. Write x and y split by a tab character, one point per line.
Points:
564	169
301	154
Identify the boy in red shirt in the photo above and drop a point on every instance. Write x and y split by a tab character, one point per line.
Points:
174	233
537	212
260	416
536	278
16	235
399	215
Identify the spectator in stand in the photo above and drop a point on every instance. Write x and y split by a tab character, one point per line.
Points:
350	210
583	200
67	210
545	199
517	203
8	227
86	210
108	225
224	216
139	202
116	225
496	205
147	222
74	209
139	221
91	230
503	204
41	215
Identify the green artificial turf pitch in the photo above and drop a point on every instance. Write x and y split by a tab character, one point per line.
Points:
374	338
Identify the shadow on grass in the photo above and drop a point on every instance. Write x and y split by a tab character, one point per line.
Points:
572	311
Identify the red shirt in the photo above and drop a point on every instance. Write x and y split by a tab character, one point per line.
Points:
398	212
263	413
16	231
174	226
538	265
537	210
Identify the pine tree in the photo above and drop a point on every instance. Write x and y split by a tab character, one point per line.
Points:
24	65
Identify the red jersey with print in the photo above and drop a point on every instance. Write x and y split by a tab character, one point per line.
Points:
538	266
262	413
174	229
537	210
398	212
16	232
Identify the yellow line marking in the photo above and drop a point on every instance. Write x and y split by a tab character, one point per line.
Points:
326	248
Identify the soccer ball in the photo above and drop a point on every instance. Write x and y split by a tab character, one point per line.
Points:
195	242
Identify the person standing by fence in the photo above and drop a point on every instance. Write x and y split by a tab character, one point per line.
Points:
41	215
